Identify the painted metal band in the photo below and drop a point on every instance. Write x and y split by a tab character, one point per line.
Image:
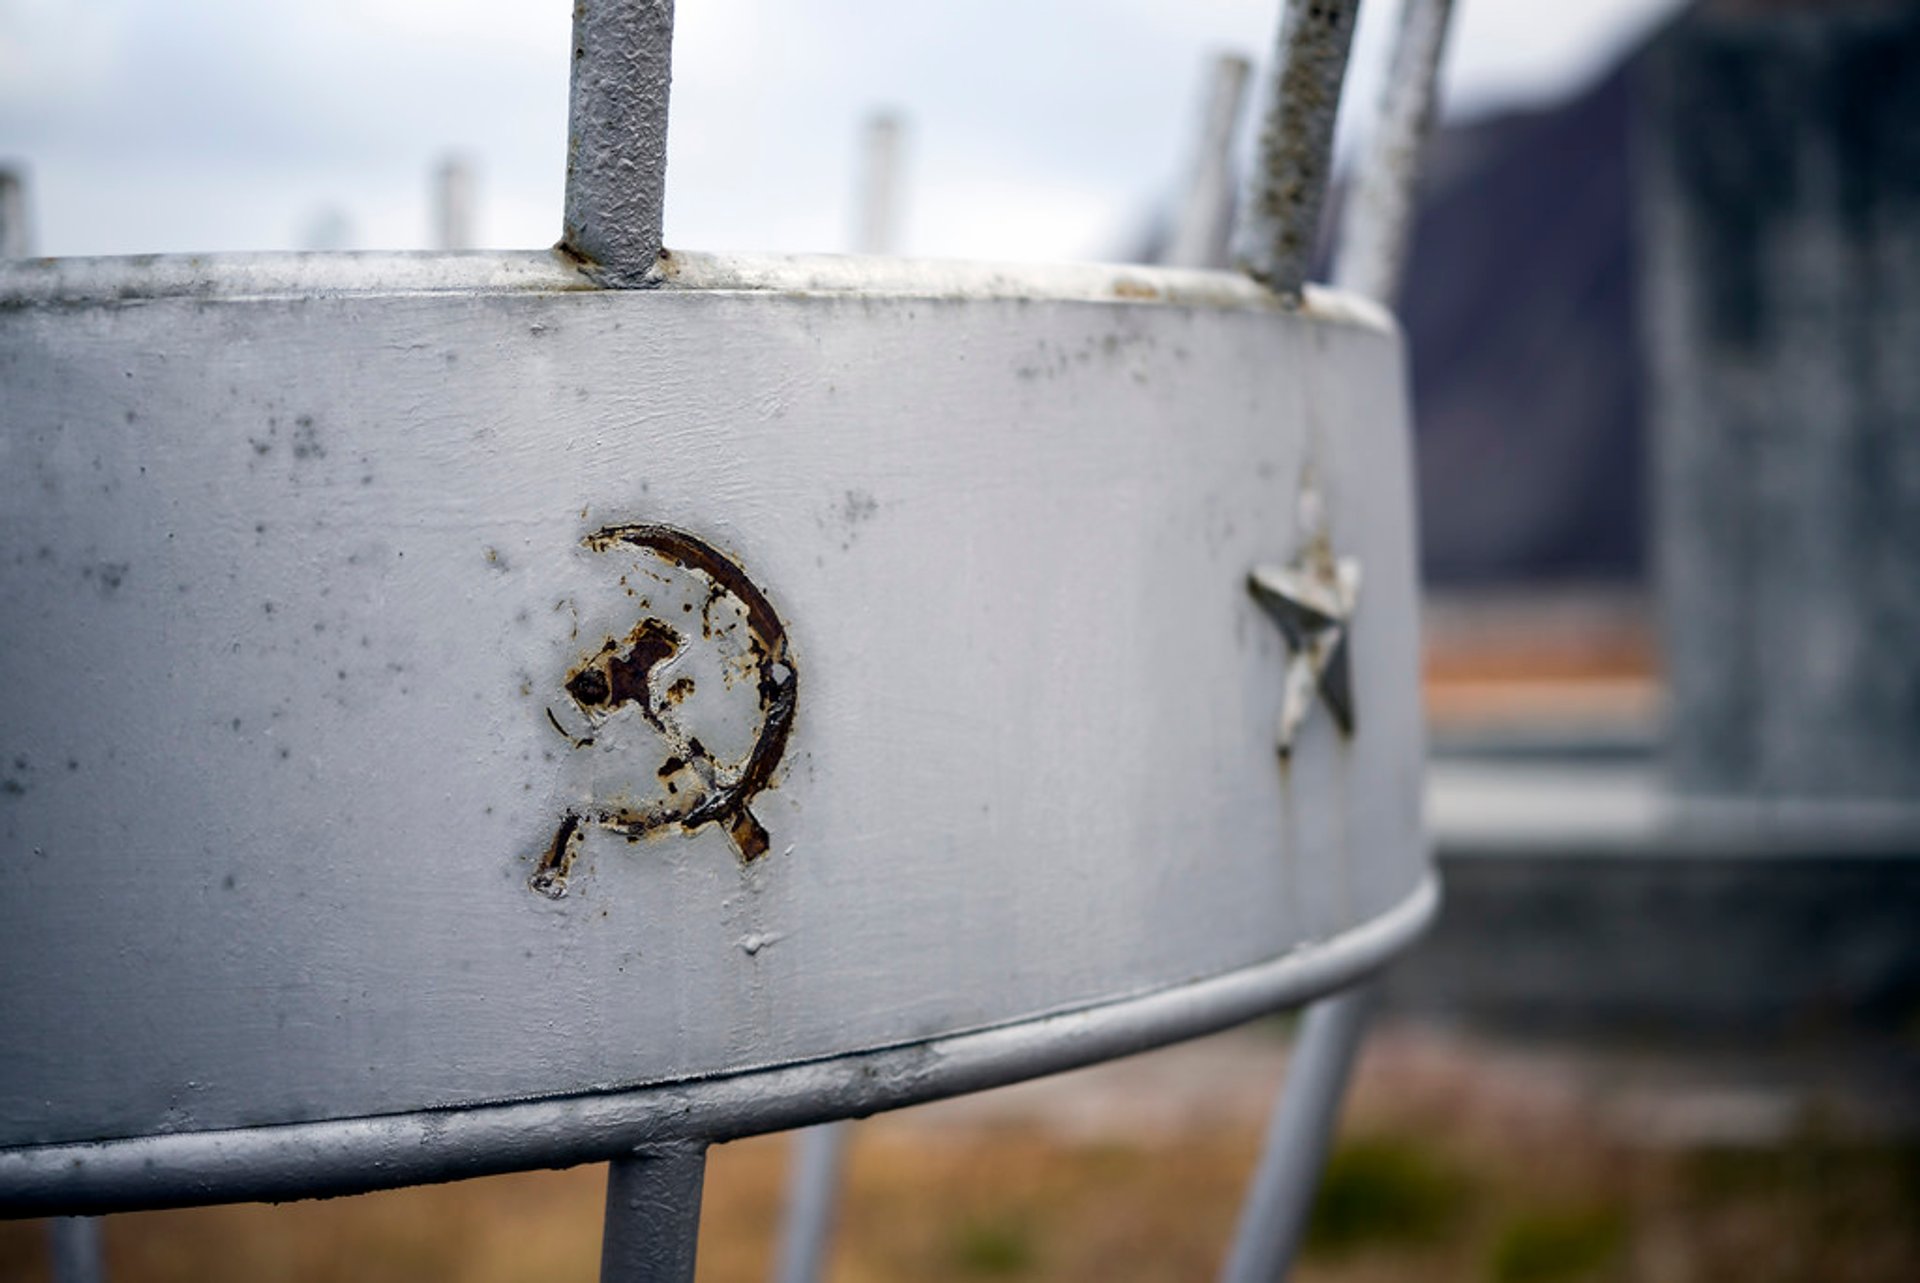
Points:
323	1159
73	282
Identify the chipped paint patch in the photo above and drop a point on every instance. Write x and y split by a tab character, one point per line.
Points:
681	721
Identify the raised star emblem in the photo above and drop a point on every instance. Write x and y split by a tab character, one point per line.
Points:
1312	600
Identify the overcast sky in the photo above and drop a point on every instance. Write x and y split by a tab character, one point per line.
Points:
1037	128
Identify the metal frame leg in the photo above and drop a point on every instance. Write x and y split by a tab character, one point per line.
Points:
813	1197
1299	1136
653	1215
74	1244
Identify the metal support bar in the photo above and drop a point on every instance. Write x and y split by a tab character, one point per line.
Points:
1299	1137
1372	255
74	1244
16	238
453	204
1378	218
617	137
879	196
1204	225
653	1215
813	1196
1296	143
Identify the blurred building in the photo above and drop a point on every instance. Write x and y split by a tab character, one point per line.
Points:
1663	343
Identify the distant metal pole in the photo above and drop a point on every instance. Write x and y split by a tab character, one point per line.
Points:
76	1249
813	1188
617	137
1378	219
879	228
16	240
653	1215
1204	227
1296	143
1299	1137
453	204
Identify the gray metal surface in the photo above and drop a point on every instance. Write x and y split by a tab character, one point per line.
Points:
1299	1137
271	851
1296	142
653	1215
617	137
353	1155
1378	216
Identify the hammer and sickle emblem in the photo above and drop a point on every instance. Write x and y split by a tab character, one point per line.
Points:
681	721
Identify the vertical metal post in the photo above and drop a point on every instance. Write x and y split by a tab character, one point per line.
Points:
617	137
814	1166
1372	255
78	1255
16	239
1299	1136
453	204
1204	226
653	1215
878	229
1378	218
1296	142
813	1188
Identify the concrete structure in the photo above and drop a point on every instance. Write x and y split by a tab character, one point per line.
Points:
1783	282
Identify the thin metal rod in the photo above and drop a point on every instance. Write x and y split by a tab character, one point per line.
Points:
813	1196
1378	219
1299	1137
617	137
1204	227
16	238
78	1254
453	204
653	1215
879	229
1296	143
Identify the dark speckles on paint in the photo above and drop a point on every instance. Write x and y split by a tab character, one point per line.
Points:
107	576
859	507
306	439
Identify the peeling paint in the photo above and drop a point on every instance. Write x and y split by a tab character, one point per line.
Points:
670	777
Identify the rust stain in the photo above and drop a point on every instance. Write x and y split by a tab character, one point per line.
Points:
550	879
621	674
